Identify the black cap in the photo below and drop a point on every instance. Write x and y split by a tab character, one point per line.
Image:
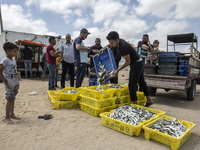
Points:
84	30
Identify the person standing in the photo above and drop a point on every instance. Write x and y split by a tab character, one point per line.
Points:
27	55
95	49
81	53
58	62
136	66
51	55
44	66
8	74
145	44
67	57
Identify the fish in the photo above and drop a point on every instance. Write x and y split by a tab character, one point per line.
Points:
172	127
71	91
131	115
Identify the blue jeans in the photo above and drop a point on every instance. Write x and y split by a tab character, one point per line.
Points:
26	64
52	75
81	67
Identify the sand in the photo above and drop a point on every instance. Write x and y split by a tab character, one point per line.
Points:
73	129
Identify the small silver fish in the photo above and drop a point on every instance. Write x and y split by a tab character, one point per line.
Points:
71	91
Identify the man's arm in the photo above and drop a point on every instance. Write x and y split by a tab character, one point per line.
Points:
80	48
127	62
151	49
2	76
54	54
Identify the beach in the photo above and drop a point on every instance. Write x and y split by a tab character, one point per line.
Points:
73	129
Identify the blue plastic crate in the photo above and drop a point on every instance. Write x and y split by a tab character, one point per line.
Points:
185	74
168	54
168	58
183	67
143	52
106	58
184	62
181	72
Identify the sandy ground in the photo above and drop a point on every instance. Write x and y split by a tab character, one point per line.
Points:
73	129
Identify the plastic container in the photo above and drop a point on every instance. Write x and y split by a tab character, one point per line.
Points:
98	103
126	128
185	74
118	92
181	72
64	104
95	111
123	99
166	72
143	52
107	59
168	58
166	139
52	94
91	92
168	67
167	63
68	96
142	102
168	54
184	62
183	67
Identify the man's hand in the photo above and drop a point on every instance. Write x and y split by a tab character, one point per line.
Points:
116	74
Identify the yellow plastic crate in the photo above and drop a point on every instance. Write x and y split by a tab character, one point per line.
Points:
68	96
140	95
98	103
119	92
91	92
142	102
95	111
166	139
52	94
65	104
125	127
122	99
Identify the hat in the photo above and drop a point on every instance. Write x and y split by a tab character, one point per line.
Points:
84	30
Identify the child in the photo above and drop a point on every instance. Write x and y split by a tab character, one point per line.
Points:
8	74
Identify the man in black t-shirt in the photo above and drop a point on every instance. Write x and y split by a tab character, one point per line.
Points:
136	66
95	49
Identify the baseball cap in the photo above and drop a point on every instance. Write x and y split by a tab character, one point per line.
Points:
84	30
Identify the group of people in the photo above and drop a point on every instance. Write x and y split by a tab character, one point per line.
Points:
76	54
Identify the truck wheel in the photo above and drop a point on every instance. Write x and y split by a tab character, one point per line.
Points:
191	92
152	91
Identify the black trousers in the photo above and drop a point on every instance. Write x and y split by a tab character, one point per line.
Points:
65	67
136	76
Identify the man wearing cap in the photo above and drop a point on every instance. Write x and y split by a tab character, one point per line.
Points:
81	53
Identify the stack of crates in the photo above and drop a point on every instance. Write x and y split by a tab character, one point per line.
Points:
123	96
95	101
168	63
62	100
183	67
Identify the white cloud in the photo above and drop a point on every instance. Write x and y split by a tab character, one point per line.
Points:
14	18
80	22
187	9
167	27
157	8
78	12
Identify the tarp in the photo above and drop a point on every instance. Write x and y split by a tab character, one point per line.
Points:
31	43
183	38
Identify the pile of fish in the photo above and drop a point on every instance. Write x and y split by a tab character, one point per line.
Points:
172	127
71	91
103	73
131	115
116	86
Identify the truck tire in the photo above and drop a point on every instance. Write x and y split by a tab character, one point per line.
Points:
191	92
152	91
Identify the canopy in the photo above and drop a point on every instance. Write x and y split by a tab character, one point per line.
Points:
31	43
182	38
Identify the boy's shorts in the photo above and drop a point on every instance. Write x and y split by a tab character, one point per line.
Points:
11	92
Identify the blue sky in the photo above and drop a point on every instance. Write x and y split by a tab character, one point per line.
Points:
131	18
